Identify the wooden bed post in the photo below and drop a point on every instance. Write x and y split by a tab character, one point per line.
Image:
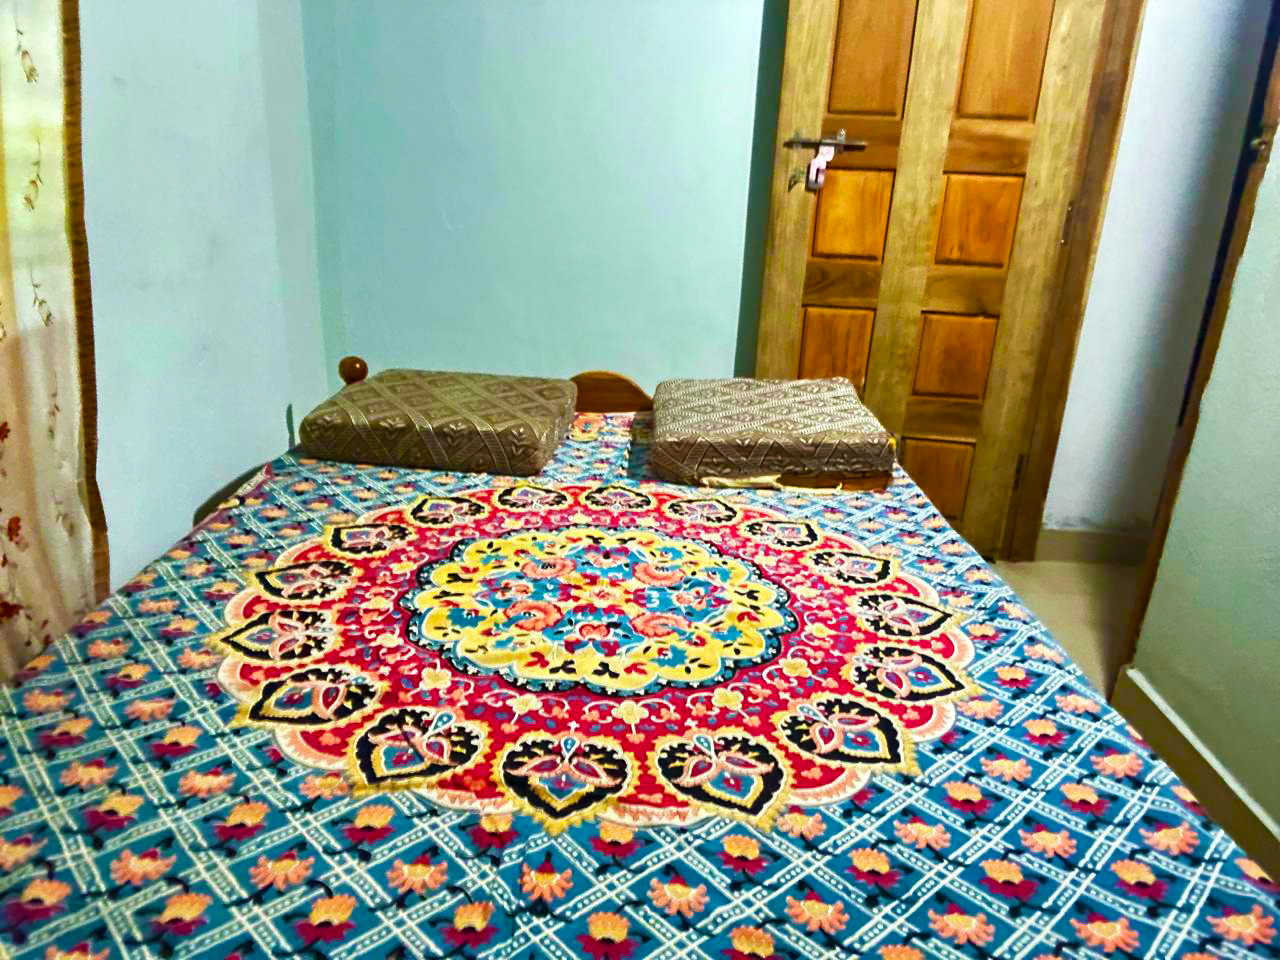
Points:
352	370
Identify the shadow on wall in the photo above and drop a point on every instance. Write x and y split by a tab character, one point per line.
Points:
773	41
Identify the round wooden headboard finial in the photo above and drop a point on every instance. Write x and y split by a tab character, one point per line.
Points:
352	369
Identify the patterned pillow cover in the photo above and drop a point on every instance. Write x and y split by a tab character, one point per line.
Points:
718	431
473	422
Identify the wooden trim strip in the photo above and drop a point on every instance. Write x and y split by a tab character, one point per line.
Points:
1093	546
939	43
989	146
954	288
1225	801
78	243
1109	95
881	134
835	282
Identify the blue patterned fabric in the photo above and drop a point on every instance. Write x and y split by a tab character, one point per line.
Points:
140	819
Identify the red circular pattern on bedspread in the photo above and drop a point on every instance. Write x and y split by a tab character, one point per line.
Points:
579	651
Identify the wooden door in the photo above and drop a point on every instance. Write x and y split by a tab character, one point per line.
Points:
926	267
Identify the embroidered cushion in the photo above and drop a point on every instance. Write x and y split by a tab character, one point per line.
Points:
756	432
477	422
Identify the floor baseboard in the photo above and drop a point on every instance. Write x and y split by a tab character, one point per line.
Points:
1092	546
1226	801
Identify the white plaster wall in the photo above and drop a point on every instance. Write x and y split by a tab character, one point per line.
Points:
201	238
1178	149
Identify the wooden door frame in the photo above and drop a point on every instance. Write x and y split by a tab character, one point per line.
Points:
1110	94
805	68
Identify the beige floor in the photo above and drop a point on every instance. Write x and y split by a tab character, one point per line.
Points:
1086	605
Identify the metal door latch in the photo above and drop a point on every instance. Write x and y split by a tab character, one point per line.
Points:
824	151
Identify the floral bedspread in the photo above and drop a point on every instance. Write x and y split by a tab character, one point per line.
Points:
362	712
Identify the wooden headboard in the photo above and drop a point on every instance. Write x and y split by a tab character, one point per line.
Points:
599	391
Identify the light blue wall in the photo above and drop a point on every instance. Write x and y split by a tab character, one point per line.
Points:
198	204
1164	217
1209	642
539	187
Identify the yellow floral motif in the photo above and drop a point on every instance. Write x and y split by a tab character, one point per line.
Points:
434	678
120	804
184	907
1110	935
962	927
1175	840
472	916
869	861
45	701
814	914
78	952
374	817
740	847
727	699
630	712
282	872
45	892
333	910
1002	871
920	834
134	870
801	823
676	896
481	608
525	703
13	855
752	941
86	775
417	875
900	952
495	822
608	926
247	813
795	667
1133	872
546	883
1252	870
611	832
1247	928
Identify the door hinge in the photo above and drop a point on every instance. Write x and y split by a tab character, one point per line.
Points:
1017	471
1066	224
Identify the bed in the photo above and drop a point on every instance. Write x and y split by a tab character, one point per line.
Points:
365	712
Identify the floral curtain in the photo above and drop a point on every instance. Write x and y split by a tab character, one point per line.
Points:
53	561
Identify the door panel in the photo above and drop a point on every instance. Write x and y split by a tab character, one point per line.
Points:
873	52
942	470
979	213
853	213
835	343
938	244
1003	58
955	356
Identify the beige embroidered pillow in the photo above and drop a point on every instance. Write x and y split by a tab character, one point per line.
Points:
476	422
765	432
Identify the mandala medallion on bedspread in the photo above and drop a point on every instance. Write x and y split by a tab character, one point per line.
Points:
571	652
618	612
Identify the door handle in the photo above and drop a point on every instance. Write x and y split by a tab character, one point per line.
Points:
824	151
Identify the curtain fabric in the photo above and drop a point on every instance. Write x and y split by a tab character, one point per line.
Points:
53	562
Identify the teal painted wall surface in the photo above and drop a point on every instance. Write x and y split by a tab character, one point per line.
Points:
542	187
198	204
1210	644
